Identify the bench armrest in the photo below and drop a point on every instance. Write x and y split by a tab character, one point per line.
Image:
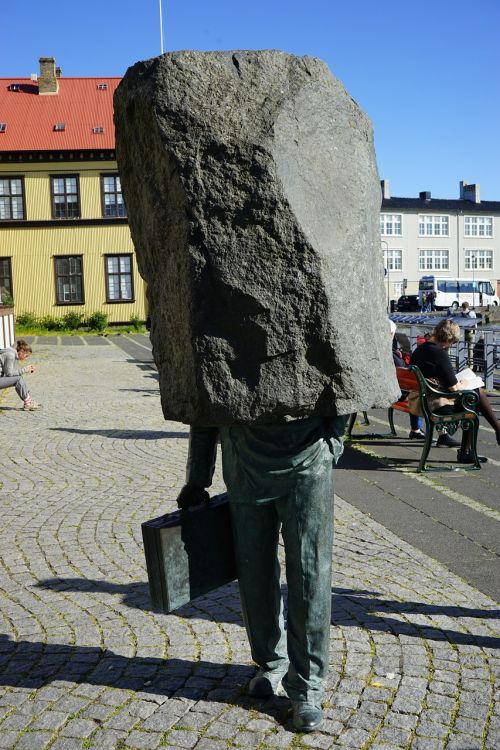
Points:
468	399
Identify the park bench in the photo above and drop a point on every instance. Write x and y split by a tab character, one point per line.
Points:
411	379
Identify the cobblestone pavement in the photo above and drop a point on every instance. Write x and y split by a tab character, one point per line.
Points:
86	663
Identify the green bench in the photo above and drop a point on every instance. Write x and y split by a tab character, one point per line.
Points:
411	379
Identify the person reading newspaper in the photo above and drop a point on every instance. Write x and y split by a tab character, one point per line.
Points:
432	358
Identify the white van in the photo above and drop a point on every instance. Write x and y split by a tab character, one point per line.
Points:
452	292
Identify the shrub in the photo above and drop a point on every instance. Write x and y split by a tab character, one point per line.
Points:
7	299
73	320
51	323
97	321
136	322
27	319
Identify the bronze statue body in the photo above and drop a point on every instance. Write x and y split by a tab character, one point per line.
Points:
279	477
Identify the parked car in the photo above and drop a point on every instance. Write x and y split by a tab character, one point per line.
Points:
408	303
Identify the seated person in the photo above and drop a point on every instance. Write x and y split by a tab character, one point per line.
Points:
416	423
433	360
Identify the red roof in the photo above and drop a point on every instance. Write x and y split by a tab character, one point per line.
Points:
82	104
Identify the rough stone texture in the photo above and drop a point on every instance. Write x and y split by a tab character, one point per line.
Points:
253	199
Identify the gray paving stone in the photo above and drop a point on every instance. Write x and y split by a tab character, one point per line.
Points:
182	738
67	743
361	720
320	741
206	744
432	729
15	721
8	738
394	735
354	738
80	728
469	726
464	742
34	740
404	721
143	740
49	720
427	743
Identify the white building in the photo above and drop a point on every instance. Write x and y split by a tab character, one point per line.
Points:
425	235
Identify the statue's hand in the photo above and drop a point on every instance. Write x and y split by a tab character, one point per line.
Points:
191	495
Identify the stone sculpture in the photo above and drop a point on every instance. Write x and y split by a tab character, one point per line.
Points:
253	199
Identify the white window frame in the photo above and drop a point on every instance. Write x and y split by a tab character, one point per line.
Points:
390	224
433	259
478	226
393	258
478	260
433	225
398	287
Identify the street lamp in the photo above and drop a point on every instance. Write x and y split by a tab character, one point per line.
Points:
161	28
387	269
473	261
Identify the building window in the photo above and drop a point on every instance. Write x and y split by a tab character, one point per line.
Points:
434	260
482	259
393	259
478	226
119	281
432	226
11	198
112	198
69	279
399	289
390	224
65	197
6	295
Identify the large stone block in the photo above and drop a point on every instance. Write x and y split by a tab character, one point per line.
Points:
253	199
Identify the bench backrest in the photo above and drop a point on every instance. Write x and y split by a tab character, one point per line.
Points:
407	379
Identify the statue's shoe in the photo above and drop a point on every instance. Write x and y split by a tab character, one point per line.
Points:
307	717
264	684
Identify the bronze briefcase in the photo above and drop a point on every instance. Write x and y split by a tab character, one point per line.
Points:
189	553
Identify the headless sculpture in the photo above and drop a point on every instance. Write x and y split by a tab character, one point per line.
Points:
253	200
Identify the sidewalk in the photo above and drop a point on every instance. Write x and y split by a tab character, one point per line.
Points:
84	661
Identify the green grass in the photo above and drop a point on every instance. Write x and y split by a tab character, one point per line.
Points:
108	331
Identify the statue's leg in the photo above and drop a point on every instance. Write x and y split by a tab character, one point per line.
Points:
307	530
255	529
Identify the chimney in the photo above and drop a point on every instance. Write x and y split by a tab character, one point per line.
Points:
386	190
470	192
48	83
425	195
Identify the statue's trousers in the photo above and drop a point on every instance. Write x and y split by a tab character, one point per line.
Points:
279	477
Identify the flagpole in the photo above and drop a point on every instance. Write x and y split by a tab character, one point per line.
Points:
161	30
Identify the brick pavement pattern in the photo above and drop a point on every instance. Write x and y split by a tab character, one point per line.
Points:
86	663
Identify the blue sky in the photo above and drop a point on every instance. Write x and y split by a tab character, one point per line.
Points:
427	73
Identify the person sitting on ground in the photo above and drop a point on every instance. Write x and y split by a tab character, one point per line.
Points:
433	360
416	423
11	376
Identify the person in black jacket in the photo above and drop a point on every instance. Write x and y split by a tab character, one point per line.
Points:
434	362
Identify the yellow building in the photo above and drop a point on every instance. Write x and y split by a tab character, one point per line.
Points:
65	244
